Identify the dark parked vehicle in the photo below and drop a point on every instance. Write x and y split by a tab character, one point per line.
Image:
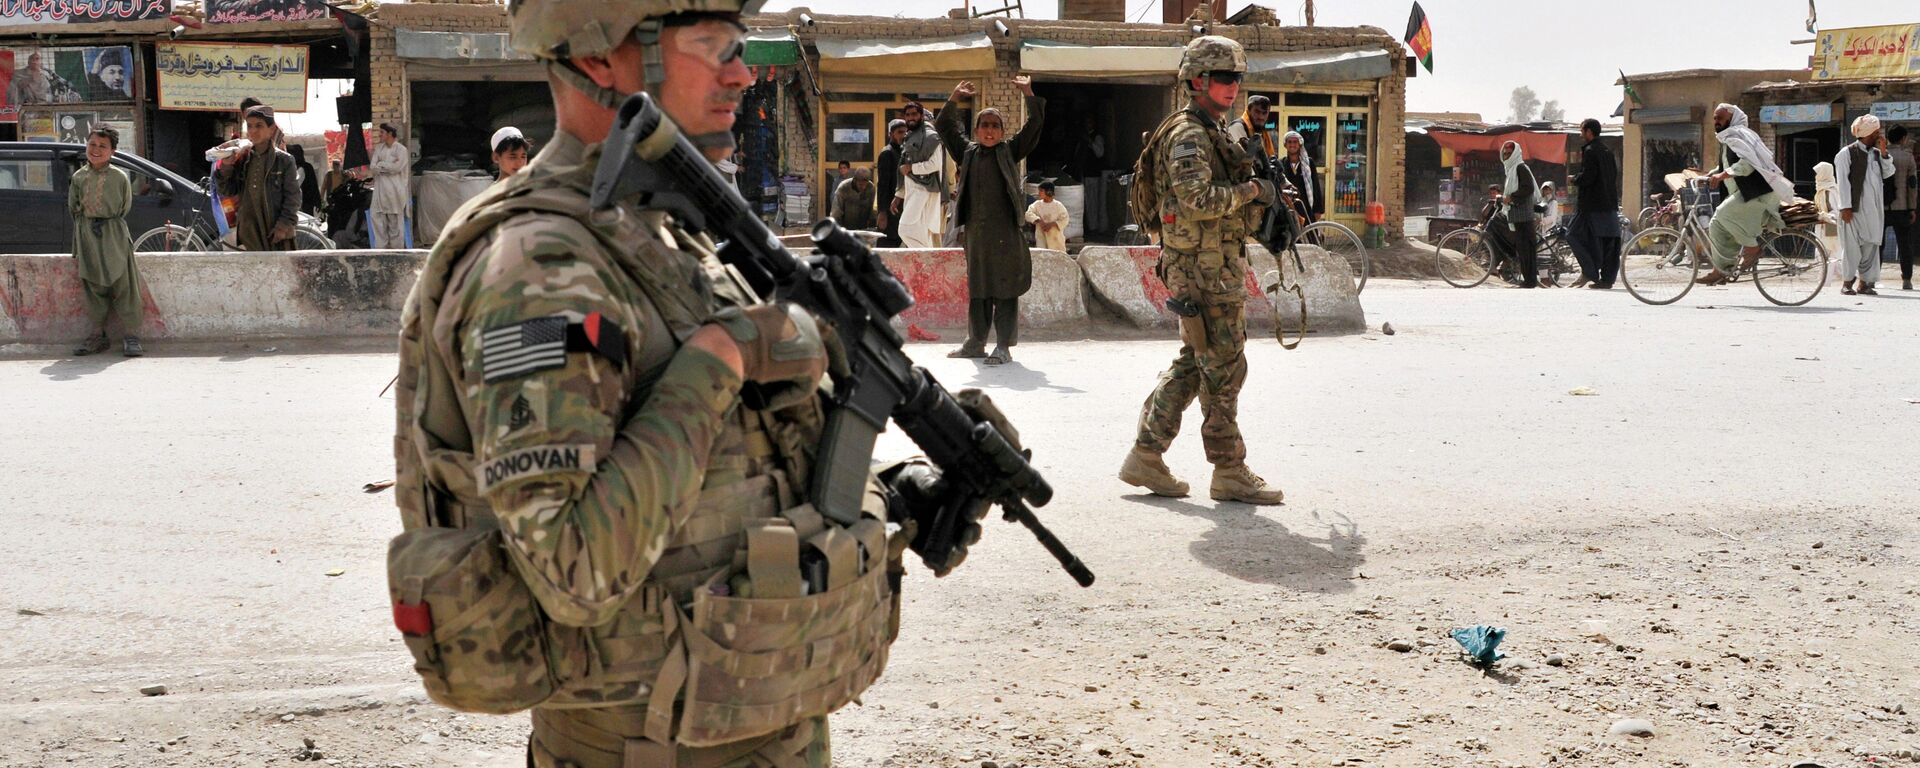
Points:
33	195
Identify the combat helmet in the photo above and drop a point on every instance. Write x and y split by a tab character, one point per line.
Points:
1211	53
555	31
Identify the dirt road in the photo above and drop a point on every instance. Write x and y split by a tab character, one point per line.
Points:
1719	541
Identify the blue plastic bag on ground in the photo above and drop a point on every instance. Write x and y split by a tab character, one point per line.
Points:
1481	643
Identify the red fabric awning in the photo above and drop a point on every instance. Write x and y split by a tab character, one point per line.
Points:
1544	147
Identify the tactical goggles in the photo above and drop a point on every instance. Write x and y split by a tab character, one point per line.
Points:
1224	77
714	41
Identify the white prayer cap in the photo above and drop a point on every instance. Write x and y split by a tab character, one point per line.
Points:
1865	125
501	135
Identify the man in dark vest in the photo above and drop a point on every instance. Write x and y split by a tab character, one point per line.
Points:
1595	231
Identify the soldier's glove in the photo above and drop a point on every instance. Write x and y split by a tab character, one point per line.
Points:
918	495
1261	191
784	352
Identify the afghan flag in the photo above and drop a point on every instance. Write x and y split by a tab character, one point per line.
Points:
1420	37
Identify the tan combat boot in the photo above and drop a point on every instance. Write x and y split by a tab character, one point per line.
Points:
1237	483
1148	471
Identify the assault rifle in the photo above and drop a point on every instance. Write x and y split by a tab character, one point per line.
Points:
847	286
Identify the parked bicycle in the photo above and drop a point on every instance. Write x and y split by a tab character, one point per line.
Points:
1660	264
1467	257
199	234
1664	211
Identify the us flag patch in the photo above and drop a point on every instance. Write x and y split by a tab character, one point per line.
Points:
1185	150
521	348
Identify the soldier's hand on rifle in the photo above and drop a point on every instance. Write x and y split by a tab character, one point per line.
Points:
1024	83
1260	191
965	90
783	349
920	494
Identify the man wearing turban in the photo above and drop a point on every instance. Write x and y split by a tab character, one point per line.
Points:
1862	169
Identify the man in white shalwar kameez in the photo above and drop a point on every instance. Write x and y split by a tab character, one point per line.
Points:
392	189
921	189
1861	170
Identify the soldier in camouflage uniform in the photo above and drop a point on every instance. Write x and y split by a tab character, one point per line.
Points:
573	378
1209	200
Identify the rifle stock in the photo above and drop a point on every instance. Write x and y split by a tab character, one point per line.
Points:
850	288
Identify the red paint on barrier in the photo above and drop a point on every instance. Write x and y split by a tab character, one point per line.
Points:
1145	257
938	280
42	296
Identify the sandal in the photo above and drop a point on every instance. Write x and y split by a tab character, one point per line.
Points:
1000	356
1847	291
970	353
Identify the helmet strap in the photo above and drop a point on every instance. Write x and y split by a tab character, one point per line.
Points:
652	65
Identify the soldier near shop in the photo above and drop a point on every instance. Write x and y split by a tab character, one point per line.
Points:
1201	194
599	526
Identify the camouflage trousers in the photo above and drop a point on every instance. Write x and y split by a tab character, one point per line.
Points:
599	738
1212	366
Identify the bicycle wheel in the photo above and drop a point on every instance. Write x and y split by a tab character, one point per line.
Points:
168	238
1560	263
1648	219
1792	268
310	239
1658	265
1336	239
1464	259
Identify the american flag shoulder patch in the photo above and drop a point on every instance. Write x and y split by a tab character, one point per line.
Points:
1184	150
528	346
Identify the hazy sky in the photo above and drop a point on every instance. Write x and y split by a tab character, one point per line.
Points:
1483	49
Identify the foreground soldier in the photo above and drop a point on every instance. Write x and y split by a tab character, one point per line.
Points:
1204	207
570	403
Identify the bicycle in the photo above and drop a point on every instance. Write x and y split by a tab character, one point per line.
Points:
1664	212
1334	238
1661	264
1475	258
200	235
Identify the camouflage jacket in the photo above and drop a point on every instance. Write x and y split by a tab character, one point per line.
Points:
1204	213
570	414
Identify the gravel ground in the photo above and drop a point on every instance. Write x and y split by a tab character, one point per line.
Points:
1717	541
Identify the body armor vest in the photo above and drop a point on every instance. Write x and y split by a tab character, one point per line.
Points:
709	665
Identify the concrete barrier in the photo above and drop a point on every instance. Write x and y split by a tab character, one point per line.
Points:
1122	277
938	280
231	295
1332	302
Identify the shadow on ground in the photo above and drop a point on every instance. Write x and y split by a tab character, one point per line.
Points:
1251	547
73	368
1016	377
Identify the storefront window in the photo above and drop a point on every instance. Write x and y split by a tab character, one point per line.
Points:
1349	164
850	137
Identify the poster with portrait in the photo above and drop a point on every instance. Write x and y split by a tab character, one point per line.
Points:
30	76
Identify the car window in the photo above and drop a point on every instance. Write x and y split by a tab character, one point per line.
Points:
142	181
25	174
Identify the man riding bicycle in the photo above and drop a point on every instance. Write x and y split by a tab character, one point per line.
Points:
1753	200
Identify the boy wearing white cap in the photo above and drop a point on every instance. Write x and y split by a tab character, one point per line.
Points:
1862	169
510	150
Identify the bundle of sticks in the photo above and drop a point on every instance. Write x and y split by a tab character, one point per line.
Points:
1800	213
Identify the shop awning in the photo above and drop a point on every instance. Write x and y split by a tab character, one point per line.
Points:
1659	115
464	46
1544	147
464	57
1329	65
966	54
1046	57
771	47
